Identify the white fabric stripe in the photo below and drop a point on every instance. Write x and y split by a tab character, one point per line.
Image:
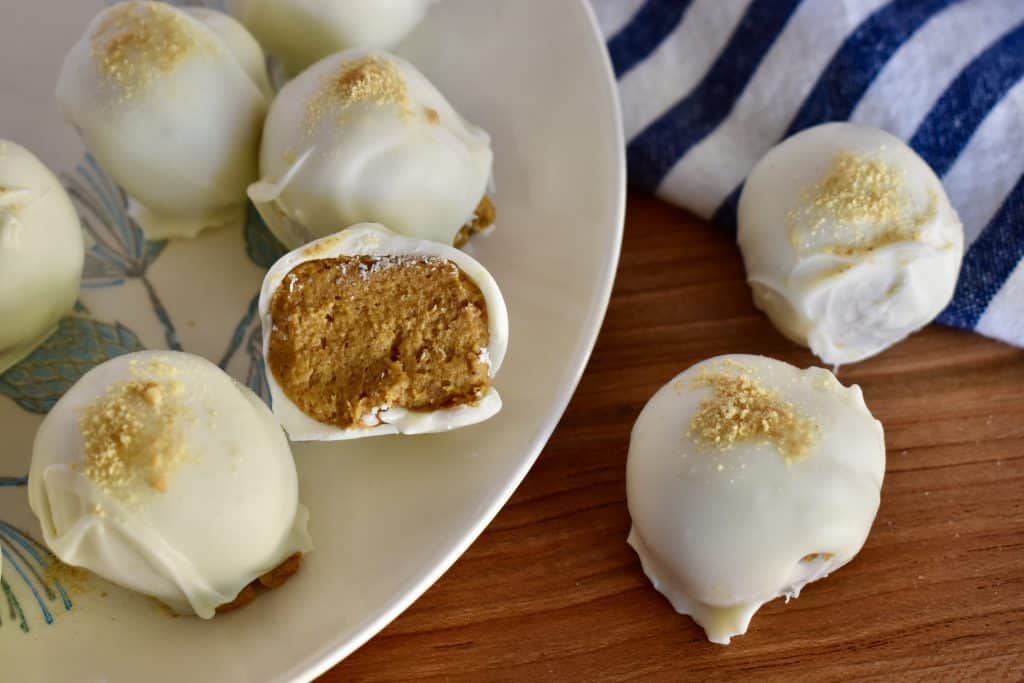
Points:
715	166
1004	317
613	16
678	64
987	170
925	65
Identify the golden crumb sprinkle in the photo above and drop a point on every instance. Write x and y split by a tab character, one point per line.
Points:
153	366
138	42
866	202
741	409
432	116
72	579
153	395
133	438
370	80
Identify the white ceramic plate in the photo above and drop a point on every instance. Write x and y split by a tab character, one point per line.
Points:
389	514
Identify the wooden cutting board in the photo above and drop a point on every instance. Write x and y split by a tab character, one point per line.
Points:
551	591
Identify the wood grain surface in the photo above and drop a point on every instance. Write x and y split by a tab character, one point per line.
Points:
551	591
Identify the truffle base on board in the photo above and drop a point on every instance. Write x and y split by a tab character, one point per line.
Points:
721	623
748	478
275	578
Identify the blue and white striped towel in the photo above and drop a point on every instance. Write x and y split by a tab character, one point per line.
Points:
709	86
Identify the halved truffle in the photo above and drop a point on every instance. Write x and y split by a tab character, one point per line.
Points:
368	332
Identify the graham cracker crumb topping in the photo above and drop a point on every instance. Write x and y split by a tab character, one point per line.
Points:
355	335
741	409
72	579
138	42
867	204
133	437
369	80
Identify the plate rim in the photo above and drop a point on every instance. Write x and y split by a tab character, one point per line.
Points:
334	652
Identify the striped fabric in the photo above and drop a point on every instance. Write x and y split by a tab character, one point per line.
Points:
709	86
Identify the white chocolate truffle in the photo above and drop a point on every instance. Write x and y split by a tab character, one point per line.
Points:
159	472
375	241
849	240
171	102
300	32
41	253
364	137
747	479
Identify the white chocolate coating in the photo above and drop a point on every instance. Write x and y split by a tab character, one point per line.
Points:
420	169
176	125
846	305
41	253
721	532
229	513
300	32
375	240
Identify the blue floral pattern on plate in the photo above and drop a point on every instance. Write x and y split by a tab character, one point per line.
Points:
78	345
116	253
37	568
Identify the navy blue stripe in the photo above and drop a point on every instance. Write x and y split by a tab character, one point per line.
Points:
980	86
725	215
850	73
644	33
860	59
652	153
988	263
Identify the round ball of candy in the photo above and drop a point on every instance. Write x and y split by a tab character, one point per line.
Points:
171	102
299	32
849	240
747	479
159	472
363	137
41	253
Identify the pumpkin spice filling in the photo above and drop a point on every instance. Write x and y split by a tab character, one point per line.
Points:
355	335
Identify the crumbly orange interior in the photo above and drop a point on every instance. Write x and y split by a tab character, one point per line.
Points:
355	334
483	218
275	578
